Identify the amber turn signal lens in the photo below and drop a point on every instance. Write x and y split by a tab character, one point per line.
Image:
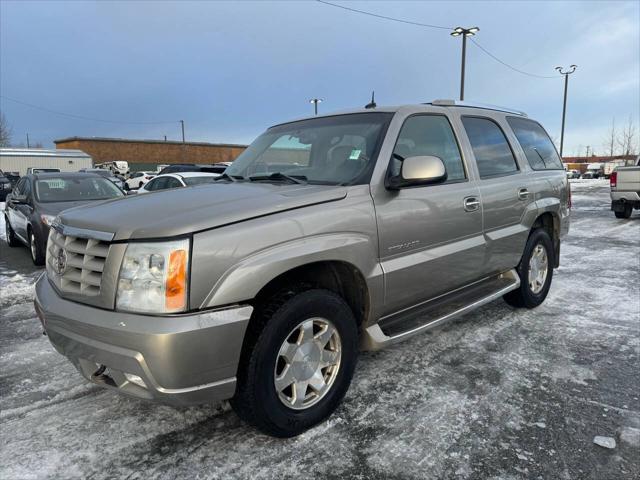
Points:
176	286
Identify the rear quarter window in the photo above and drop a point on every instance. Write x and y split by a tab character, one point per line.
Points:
536	144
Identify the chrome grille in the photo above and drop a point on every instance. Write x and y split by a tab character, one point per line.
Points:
85	260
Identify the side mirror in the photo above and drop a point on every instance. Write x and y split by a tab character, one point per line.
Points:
421	170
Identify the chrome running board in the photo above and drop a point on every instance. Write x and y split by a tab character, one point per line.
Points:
400	326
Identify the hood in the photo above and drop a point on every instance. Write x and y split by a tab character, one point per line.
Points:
187	210
54	208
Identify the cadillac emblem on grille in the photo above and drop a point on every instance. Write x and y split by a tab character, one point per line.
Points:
60	262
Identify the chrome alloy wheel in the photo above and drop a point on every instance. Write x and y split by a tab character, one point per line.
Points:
308	363
32	246
538	268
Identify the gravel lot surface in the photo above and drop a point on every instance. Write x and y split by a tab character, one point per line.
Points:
500	393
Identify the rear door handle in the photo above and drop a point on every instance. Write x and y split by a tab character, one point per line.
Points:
471	204
523	194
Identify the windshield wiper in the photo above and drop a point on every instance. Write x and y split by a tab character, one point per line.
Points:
300	179
226	176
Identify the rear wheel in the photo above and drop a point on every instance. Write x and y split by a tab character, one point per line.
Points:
535	271
626	213
37	253
12	239
297	362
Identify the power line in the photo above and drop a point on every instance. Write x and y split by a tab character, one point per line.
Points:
400	20
409	22
509	66
81	117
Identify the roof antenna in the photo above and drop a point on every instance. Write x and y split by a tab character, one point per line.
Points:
372	103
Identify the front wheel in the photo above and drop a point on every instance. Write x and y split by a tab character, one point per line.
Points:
12	239
298	360
535	271
37	255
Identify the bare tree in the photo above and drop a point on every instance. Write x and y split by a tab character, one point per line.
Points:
610	142
627	138
5	131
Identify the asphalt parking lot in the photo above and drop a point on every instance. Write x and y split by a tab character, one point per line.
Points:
501	393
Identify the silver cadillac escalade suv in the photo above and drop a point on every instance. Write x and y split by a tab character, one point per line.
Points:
327	235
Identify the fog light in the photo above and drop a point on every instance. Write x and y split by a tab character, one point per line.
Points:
135	379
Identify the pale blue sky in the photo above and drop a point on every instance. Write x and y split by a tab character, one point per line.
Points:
231	69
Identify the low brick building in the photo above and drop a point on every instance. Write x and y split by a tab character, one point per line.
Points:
146	154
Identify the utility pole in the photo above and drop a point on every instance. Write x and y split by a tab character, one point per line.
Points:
315	102
182	124
28	146
464	32
566	74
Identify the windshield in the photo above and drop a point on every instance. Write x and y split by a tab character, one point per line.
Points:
337	150
58	189
199	180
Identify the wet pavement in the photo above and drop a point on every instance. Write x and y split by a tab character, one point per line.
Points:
500	393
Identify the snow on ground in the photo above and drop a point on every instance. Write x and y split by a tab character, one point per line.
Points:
501	393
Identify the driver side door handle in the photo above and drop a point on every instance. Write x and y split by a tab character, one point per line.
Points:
523	194
471	204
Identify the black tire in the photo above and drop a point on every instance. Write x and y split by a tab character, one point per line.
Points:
626	213
256	399
37	252
524	296
12	239
140	185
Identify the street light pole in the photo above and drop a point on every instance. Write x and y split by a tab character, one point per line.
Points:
315	102
566	74
464	32
182	124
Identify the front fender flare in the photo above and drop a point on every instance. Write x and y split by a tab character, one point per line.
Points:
247	277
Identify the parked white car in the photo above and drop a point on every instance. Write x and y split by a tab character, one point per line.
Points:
138	179
178	180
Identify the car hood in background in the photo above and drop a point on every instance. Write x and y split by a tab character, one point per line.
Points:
186	210
54	208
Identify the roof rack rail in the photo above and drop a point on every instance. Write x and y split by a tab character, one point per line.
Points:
457	103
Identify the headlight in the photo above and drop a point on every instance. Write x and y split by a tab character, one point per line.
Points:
47	219
153	277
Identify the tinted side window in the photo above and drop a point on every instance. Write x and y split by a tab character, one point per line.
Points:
26	188
151	186
429	135
161	183
19	186
173	183
537	146
490	147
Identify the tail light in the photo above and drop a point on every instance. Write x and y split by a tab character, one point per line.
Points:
613	179
569	195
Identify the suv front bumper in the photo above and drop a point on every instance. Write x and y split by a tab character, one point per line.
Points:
179	360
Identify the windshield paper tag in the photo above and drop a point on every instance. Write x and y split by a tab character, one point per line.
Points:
355	154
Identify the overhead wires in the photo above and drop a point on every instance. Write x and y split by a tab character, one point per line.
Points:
82	117
427	25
